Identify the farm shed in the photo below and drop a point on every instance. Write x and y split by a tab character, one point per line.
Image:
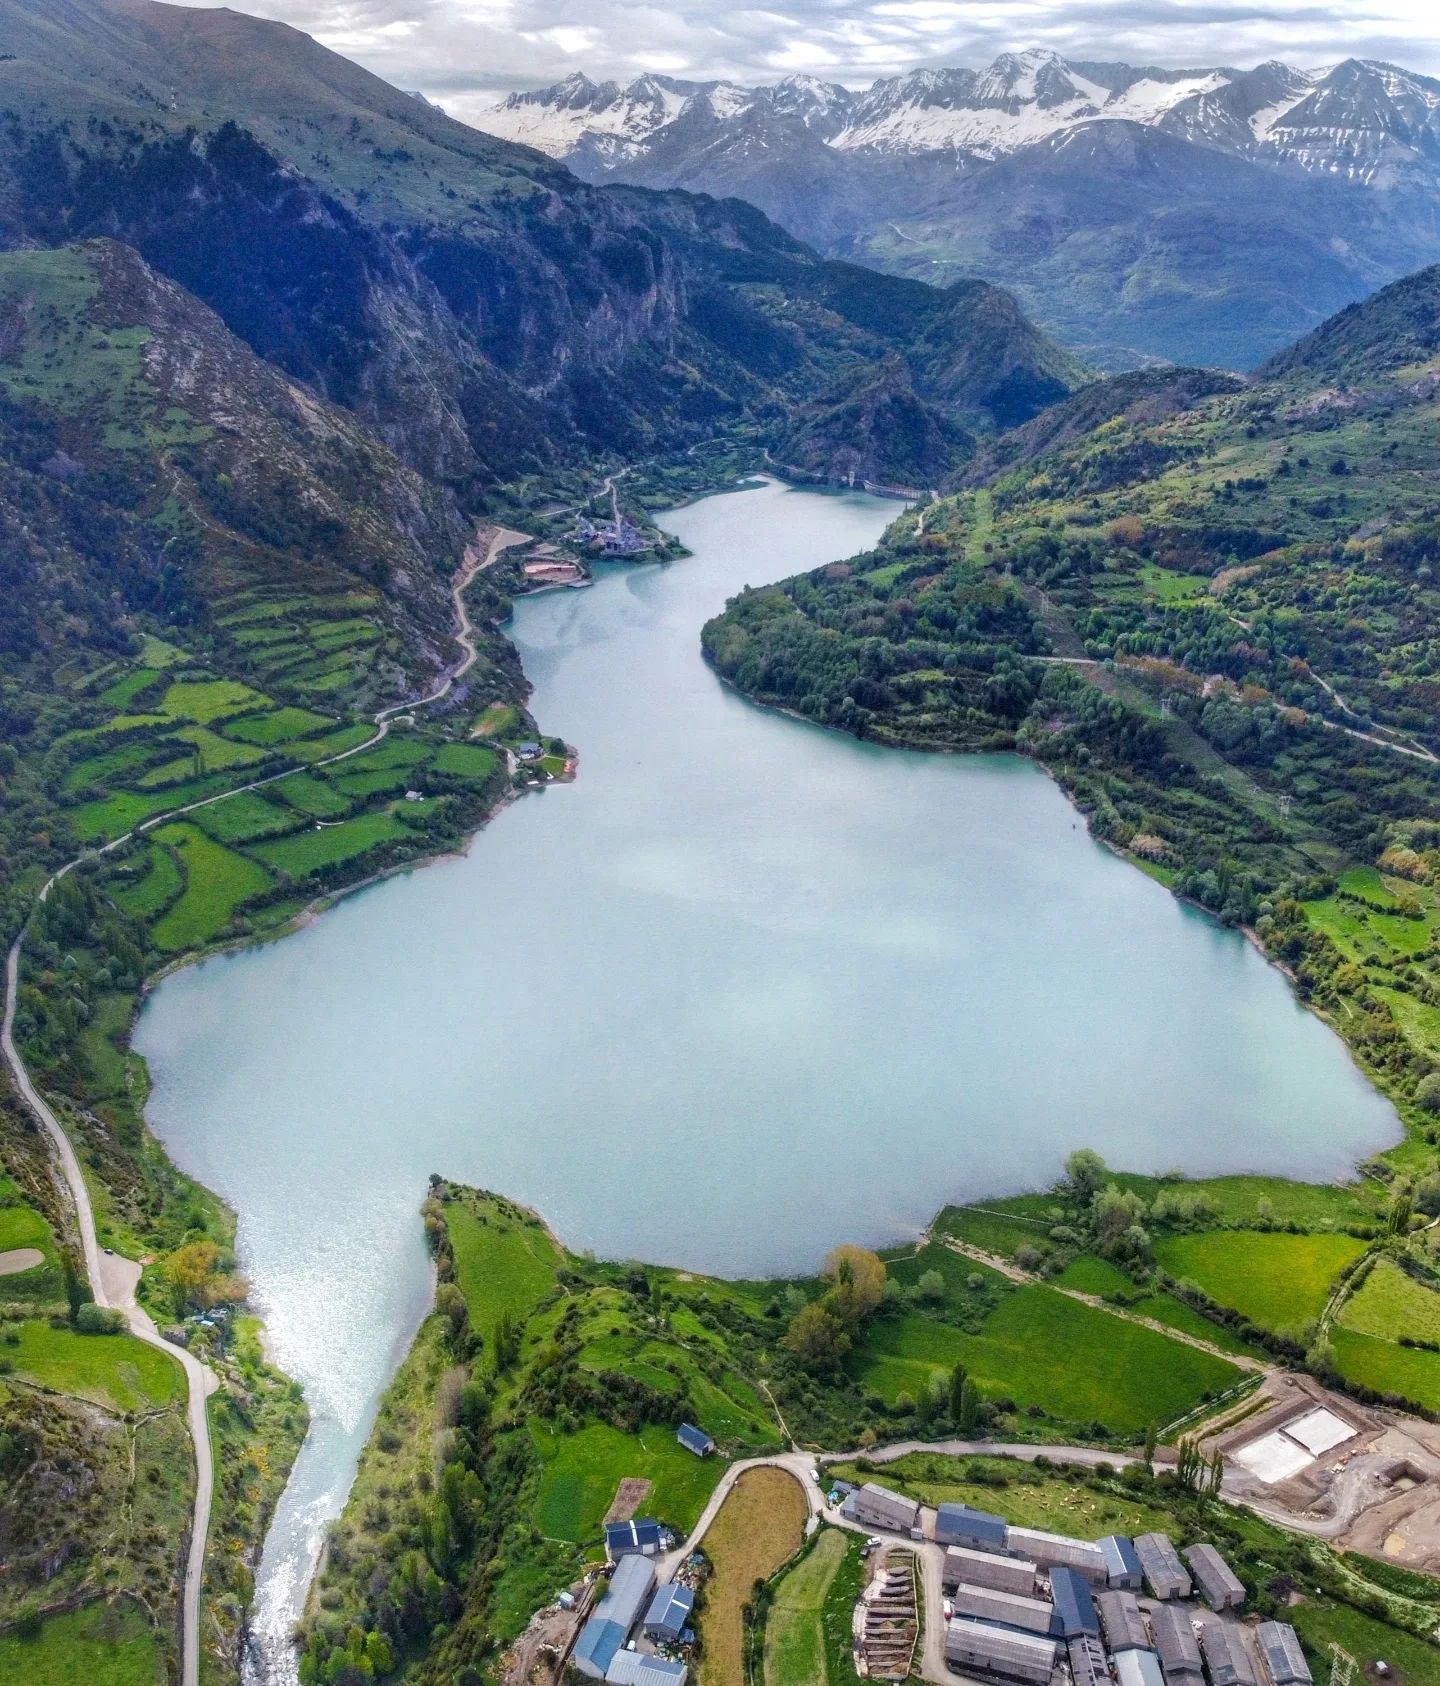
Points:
1226	1655
1122	1566
1059	1551
628	1592
997	1652
878	1507
669	1612
1178	1647
1122	1621
596	1647
984	1568
1218	1583
695	1440
1088	1664
625	1539
984	1604
1165	1574
634	1668
1138	1668
1282	1656
1074	1607
977	1530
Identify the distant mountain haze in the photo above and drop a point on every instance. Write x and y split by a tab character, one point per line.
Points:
1205	215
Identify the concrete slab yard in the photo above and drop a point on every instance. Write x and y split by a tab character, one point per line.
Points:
1273	1457
1319	1430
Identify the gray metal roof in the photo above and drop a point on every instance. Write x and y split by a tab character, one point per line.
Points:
670	1608
598	1642
999	1643
1218	1582
1122	1621
1088	1665
1161	1563
957	1524
1138	1668
636	1668
1226	1655
1284	1658
1175	1640
629	1588
1121	1562
893	1509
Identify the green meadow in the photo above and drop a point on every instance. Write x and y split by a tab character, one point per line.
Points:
1278	1281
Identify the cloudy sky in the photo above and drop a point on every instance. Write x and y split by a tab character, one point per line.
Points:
461	52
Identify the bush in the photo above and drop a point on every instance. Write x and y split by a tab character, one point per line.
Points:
92	1319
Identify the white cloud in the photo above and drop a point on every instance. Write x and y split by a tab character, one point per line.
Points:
454	50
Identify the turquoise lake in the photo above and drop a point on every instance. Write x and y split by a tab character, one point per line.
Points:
744	990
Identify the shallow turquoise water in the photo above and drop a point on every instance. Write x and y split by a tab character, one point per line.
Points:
746	989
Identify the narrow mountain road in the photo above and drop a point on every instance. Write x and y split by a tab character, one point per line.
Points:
113	1279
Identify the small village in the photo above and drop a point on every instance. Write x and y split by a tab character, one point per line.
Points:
950	1592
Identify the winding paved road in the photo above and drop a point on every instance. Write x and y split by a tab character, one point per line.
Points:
113	1279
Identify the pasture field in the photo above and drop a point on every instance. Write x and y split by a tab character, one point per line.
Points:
205	700
1003	1229
310	794
1089	1275
304	852
1025	1351
1278	1281
112	816
310	750
466	761
794	1637
494	721
760	1525
278	725
157	882
244	818
123	691
583	1470
1175	1314
1410	1372
101	1642
504	1261
1322	1623
1389	1303
115	1370
217	882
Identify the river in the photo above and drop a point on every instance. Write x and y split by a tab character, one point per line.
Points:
746	989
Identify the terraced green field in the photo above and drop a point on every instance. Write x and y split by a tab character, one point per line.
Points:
218	881
304	852
1389	1303
583	1470
1278	1281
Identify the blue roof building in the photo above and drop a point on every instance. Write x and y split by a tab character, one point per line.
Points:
960	1525
669	1612
1122	1562
695	1440
1075	1611
623	1539
596	1647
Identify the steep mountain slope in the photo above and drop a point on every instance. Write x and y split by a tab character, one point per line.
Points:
474	303
1115	200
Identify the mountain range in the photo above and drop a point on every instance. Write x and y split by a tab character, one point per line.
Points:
1202	216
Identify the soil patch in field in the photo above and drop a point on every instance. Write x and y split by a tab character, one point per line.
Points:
629	1496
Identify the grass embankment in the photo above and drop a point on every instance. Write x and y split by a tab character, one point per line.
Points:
760	1525
112	1643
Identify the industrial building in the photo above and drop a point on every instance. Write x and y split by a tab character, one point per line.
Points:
1226	1655
1123	1624
984	1568
878	1507
1138	1668
1059	1551
977	1530
1074	1607
1218	1583
1281	1654
1160	1563
669	1612
984	1604
635	1668
613	1617
998	1652
1088	1663
1122	1566
626	1539
1178	1647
